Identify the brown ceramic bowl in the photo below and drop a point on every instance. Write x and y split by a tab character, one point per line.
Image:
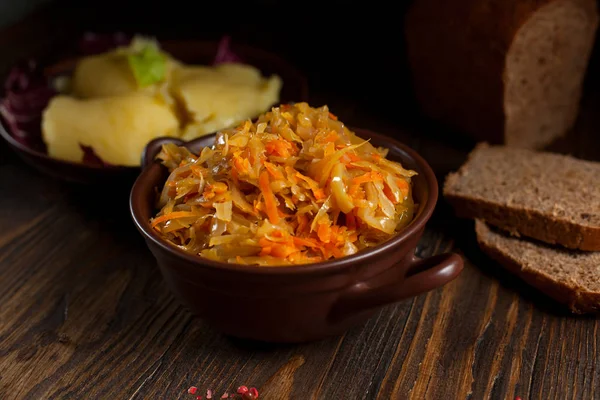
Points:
295	89
298	303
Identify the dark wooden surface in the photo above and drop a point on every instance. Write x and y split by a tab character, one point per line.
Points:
85	314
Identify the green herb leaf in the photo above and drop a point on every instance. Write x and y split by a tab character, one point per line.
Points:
148	64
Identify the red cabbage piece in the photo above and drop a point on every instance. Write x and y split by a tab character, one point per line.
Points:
91	158
224	52
27	94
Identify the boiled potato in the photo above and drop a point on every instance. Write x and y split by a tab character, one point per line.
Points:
109	111
109	74
219	97
117	128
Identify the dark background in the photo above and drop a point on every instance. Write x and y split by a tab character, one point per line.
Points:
349	49
352	48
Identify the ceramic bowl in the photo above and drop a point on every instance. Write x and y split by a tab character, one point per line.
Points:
294	89
298	303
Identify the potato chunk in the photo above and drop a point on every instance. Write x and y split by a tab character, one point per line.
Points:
116	128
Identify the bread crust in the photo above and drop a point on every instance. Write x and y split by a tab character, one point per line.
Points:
577	300
526	222
458	51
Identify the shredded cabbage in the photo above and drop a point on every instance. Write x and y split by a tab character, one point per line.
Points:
295	187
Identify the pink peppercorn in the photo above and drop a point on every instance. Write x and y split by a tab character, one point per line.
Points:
192	390
518	398
252	394
242	390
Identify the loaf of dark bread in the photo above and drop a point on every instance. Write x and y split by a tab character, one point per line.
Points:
549	197
569	276
504	71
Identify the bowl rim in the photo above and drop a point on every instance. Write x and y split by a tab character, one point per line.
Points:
329	266
242	47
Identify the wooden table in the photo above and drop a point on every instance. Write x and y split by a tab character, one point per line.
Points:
85	314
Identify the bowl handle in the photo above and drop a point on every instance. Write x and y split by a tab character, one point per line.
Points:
422	276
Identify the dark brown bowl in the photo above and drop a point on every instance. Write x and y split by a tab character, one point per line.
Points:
295	89
298	303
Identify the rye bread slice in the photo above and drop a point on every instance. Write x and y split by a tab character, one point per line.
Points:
571	277
549	197
504	71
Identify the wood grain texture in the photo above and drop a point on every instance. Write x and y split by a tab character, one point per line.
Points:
85	313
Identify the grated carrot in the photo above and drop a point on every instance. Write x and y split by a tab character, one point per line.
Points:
314	186
173	215
275	173
368	177
403	186
270	200
331	137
